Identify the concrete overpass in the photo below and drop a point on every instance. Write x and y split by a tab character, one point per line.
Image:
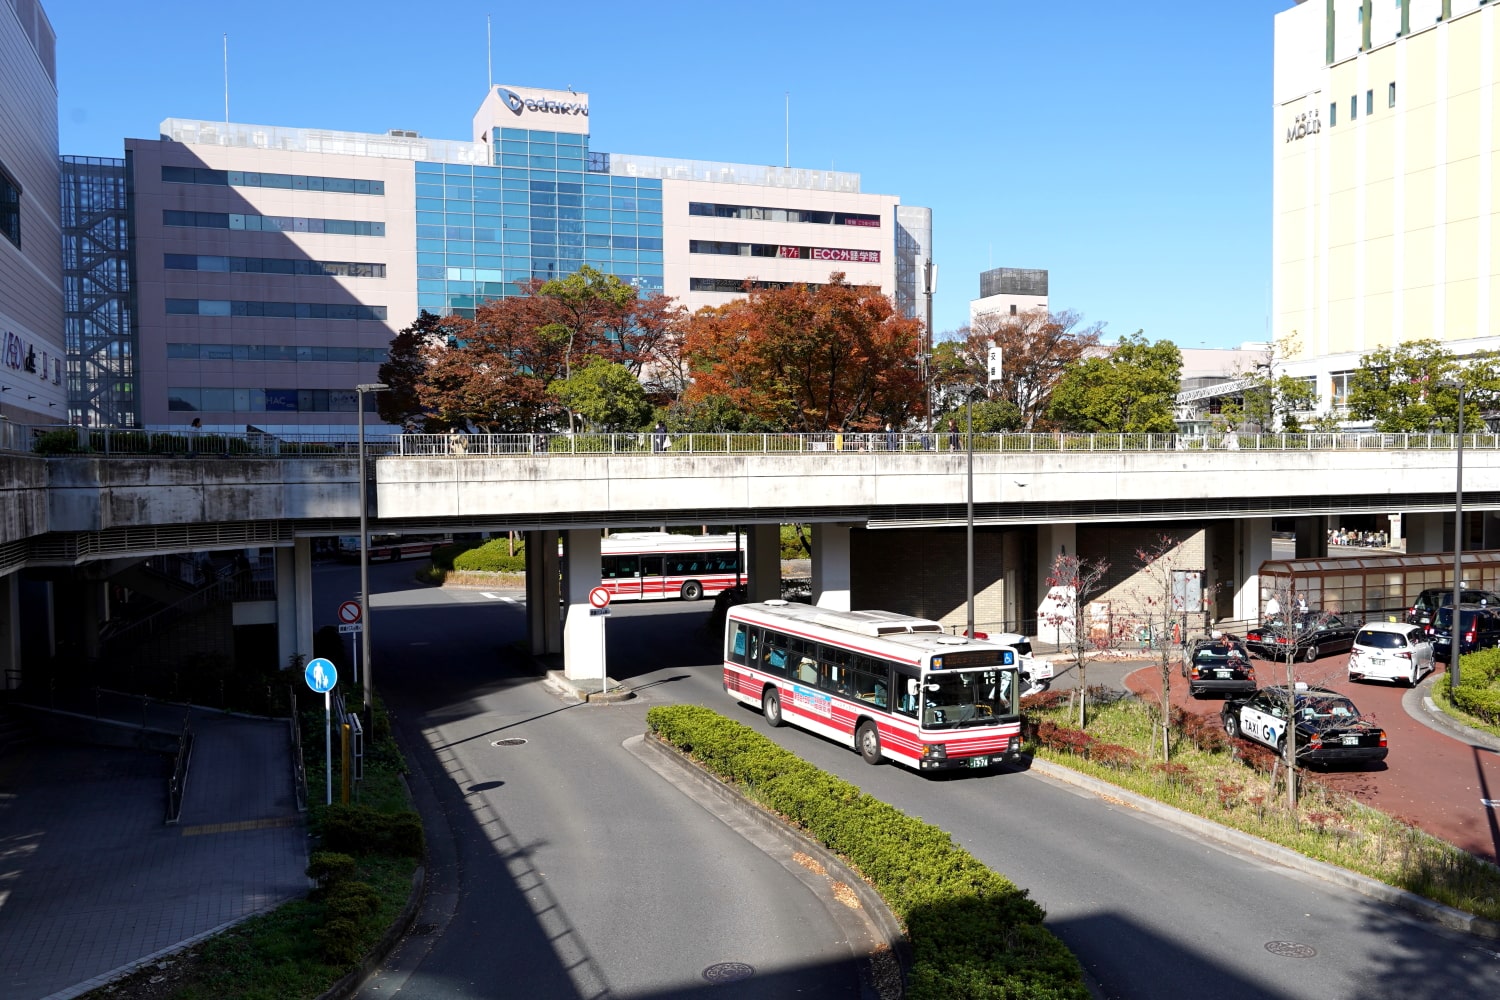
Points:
1034	496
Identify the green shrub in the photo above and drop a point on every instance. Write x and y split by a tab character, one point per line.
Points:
58	442
330	868
340	941
1478	690
357	830
973	932
491	557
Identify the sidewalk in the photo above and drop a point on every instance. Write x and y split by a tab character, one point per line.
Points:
94	882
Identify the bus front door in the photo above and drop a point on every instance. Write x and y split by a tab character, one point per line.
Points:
651	579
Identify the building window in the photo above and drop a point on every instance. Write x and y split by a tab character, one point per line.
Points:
782	214
293	182
1354	107
1341	387
1333	114
1390	95
1012	308
275	310
271	223
274	265
1369	102
10	206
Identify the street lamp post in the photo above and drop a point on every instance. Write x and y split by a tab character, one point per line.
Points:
969	436
1458	531
364	544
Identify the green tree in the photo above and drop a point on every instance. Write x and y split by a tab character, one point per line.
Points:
1400	388
1132	390
1272	399
605	394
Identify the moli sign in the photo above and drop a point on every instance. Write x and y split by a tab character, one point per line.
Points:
517	104
1304	125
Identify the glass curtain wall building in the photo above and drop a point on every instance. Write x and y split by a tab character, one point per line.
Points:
271	266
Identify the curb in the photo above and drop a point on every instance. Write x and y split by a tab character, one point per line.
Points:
613	691
1421	906
884	962
1436	718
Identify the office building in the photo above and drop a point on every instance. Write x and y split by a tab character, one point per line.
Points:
1385	178
33	389
1007	291
272	266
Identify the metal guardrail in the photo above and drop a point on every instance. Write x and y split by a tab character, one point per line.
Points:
177	785
127	442
299	768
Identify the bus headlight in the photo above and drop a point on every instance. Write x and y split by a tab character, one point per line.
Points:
935	751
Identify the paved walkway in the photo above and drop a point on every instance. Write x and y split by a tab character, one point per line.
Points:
92	880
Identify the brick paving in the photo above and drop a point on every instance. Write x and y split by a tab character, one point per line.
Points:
92	880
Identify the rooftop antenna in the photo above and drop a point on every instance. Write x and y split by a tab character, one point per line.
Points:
789	129
226	78
489	53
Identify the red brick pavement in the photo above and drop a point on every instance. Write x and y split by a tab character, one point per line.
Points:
1430	779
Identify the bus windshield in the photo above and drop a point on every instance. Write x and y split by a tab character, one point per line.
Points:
954	699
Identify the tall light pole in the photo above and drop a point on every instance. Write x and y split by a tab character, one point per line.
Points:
1458	531
364	544
969	435
929	284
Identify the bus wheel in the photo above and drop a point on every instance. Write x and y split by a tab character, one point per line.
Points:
692	590
868	740
770	707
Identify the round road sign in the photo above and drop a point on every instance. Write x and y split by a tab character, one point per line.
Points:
599	597
349	612
321	675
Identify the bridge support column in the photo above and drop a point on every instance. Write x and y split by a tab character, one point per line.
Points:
543	593
1427	533
763	559
1254	549
10	633
1312	537
830	566
294	605
1052	540
93	602
583	633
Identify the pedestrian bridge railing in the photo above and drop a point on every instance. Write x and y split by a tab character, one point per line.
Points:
131	442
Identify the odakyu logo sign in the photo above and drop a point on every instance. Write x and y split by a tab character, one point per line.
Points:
518	104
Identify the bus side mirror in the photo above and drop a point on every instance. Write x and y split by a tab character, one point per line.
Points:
911	687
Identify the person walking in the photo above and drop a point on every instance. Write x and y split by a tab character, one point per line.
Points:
952	434
659	437
194	429
890	437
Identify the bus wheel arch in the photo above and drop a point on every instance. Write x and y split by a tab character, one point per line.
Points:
867	741
692	590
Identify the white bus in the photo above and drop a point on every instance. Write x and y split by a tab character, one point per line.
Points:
656	565
891	686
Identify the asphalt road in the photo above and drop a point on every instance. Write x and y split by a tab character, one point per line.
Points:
575	861
575	870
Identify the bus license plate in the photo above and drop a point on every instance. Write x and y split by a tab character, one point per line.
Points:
979	762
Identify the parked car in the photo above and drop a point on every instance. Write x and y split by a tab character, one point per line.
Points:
1479	626
1217	664
1310	635
1329	729
1391	651
1433	598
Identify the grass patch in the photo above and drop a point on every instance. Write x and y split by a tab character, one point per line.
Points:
1219	786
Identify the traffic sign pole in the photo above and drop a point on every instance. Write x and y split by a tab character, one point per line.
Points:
599	607
328	749
321	675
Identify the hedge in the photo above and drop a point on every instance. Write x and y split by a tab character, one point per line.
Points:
973	933
491	557
1478	690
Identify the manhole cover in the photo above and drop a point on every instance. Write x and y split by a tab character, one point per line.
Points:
1291	949
514	741
421	930
728	972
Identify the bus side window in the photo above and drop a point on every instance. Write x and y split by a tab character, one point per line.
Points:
608	566
773	653
866	684
737	641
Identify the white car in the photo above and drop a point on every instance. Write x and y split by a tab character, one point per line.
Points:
1391	651
1036	672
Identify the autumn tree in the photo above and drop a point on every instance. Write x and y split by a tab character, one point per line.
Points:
1401	388
405	369
1072	584
1131	390
1037	349
834	357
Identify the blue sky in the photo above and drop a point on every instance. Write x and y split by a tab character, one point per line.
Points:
1124	147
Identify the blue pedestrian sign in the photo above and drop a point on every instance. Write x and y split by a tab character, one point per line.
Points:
321	675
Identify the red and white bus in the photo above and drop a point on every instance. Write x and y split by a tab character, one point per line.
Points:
656	565
891	686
